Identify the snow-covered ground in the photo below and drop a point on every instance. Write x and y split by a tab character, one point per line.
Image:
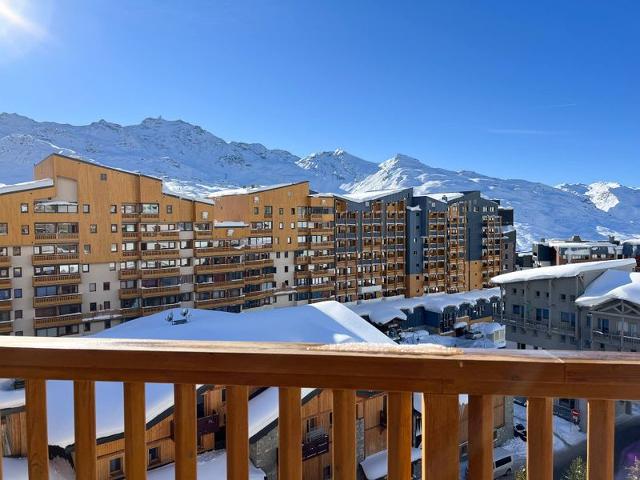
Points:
16	469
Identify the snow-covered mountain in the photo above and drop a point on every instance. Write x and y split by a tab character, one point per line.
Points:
192	160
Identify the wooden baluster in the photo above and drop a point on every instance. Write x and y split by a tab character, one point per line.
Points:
539	438
135	445
237	432
440	437
37	438
399	420
290	434
186	441
480	437
344	435
84	405
601	426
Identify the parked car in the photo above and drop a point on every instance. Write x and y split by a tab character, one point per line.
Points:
520	431
473	335
502	463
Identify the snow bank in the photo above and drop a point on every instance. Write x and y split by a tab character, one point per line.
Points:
562	271
375	466
210	465
612	285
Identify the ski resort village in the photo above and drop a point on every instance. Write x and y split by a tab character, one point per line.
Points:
279	332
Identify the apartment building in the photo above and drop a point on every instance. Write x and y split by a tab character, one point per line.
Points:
293	231
574	250
84	247
460	245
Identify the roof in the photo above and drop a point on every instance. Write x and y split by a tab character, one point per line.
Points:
386	309
612	285
375	466
445	197
97	164
562	271
323	322
372	195
210	465
247	190
23	186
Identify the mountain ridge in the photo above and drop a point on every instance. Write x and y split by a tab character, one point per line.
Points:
194	161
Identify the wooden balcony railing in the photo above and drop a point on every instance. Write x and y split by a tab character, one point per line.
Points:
440	374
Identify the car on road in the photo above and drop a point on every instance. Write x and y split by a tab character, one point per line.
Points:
519	430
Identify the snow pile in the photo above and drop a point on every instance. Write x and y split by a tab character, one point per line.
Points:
386	309
612	285
562	271
17	469
323	322
210	465
375	466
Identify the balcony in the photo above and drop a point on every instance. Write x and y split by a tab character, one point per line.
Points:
165	252
158	308
161	234
129	274
53	258
440	375
71	278
219	268
160	291
207	287
160	272
57	321
6	327
54	300
55	237
219	302
125	293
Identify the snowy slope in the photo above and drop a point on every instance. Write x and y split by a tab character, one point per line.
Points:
194	161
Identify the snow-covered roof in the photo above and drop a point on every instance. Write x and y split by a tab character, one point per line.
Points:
323	322
631	241
229	224
612	285
445	197
386	309
375	466
415	208
247	190
20	187
169	191
210	465
562	271
371	195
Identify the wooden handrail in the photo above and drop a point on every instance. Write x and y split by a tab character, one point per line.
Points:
440	375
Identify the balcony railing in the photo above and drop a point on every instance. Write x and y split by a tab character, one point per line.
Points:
440	374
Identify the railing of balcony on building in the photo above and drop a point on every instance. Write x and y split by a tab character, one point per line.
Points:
440	374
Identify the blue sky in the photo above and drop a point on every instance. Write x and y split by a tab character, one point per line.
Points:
543	90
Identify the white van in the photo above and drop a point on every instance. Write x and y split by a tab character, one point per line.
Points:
502	463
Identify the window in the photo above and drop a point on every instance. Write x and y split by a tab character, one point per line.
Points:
24	230
293	211
106	286
17	293
114	228
256	211
281	211
4	228
92	287
281	225
93	228
17	272
17	251
563	297
24	207
154	455
268	210
114	247
103	177
112	266
86	208
113	209
115	466
107	305
542	314
17	314
326	472
85	268
87	249
169	208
